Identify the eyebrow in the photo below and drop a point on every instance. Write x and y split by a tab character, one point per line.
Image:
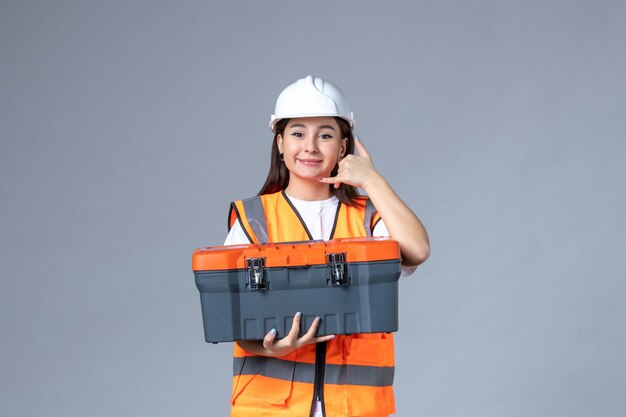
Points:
321	127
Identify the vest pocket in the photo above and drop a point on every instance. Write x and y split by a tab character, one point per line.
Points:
262	381
370	376
372	349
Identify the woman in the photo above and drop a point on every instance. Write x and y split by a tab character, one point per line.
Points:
310	194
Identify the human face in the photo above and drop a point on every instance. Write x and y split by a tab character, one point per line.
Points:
311	146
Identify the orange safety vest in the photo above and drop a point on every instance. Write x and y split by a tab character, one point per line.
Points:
351	375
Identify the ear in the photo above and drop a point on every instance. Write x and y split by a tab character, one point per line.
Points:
343	147
279	143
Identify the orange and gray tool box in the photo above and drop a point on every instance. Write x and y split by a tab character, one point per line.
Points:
248	290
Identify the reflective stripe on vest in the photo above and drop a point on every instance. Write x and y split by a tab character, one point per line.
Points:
256	218
367	218
372	376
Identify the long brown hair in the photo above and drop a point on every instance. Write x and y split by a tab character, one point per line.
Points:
278	175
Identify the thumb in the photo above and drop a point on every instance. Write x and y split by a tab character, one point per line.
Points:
268	340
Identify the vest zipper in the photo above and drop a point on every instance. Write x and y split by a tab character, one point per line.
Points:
318	388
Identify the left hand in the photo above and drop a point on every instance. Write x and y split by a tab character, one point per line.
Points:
353	170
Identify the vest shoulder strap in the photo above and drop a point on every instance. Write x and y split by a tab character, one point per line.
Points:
255	213
252	219
371	217
367	218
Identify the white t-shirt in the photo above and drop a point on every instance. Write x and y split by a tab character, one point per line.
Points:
319	217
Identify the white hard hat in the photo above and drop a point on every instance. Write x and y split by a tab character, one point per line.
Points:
309	97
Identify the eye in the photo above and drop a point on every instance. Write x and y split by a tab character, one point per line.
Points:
297	134
326	136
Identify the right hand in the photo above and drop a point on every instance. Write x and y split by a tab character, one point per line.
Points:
291	342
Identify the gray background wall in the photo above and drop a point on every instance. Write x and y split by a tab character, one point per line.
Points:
127	127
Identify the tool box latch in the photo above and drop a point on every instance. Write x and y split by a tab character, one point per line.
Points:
338	268
256	274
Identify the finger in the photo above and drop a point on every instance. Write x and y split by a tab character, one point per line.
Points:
268	340
311	332
331	180
362	151
324	338
295	326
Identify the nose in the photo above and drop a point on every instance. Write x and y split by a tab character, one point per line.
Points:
311	144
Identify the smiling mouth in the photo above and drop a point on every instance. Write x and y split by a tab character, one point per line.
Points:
310	161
